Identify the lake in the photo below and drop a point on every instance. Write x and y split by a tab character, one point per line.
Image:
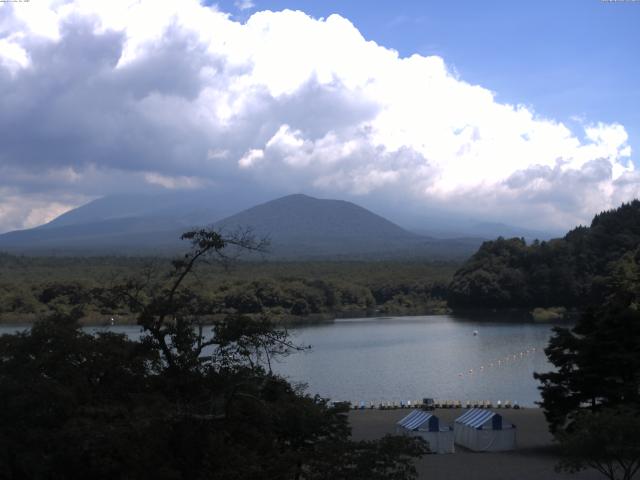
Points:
402	358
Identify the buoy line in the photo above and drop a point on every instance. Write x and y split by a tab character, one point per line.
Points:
500	362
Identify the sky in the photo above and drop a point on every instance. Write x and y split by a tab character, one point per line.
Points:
520	112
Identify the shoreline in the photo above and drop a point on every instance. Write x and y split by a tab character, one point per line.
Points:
510	315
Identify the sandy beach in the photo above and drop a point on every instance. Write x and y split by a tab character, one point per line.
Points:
534	458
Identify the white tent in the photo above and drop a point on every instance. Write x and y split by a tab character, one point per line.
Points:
427	426
484	431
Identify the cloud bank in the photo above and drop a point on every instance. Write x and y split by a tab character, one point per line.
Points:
104	97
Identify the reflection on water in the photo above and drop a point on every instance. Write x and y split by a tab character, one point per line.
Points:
404	358
401	358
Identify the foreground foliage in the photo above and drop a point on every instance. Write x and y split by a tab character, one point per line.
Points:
592	399
606	440
181	403
597	362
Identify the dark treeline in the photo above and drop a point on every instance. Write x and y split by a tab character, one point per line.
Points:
34	286
571	271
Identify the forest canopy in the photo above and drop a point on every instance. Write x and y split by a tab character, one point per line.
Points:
568	271
287	291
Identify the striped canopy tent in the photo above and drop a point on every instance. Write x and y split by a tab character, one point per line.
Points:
427	426
484	431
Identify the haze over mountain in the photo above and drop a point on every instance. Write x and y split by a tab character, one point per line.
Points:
174	208
470	228
299	226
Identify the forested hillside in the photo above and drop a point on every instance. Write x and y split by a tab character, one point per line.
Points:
570	271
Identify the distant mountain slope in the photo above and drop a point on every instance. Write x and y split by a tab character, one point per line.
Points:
299	227
469	228
179	208
495	229
566	271
122	224
115	236
302	217
303	226
146	224
110	208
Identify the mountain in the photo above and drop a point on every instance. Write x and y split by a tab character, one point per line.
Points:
174	209
113	236
299	227
498	229
126	224
299	224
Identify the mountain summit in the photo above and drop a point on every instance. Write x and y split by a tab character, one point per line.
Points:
299	227
303	226
299	216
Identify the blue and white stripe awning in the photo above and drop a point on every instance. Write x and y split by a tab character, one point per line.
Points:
420	420
477	418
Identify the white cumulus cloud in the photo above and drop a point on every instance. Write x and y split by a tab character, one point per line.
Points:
179	95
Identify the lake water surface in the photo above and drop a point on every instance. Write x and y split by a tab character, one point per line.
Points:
401	358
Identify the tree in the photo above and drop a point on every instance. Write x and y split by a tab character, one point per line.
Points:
181	402
597	362
507	273
592	400
607	441
74	405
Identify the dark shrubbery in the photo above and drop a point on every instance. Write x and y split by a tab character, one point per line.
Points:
181	403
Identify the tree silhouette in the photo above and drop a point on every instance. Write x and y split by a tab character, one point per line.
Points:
182	402
597	362
606	441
